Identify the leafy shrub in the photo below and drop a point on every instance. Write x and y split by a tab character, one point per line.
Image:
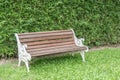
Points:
96	21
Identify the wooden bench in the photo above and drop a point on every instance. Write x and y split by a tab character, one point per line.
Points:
47	43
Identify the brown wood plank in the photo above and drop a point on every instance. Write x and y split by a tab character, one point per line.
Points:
50	45
45	38
55	51
45	35
49	42
45	32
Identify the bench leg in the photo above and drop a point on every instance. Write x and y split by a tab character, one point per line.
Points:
25	59
83	55
19	61
72	54
27	66
26	63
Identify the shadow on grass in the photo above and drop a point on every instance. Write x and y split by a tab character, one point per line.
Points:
55	60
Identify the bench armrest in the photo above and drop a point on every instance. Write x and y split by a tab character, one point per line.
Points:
79	41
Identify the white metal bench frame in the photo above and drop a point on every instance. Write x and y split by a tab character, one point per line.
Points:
24	56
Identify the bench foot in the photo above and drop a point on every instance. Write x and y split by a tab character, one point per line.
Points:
83	55
19	62
27	66
72	54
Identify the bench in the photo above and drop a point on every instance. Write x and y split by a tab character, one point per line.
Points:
35	44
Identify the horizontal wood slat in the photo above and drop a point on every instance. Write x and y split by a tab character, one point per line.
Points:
48	42
46	32
45	35
47	52
50	45
45	38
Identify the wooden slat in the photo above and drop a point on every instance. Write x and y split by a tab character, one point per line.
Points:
45	35
48	42
47	32
55	51
45	38
50	45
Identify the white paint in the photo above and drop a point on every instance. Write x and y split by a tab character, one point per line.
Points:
23	55
79	42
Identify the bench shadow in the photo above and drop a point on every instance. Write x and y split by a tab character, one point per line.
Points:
55	60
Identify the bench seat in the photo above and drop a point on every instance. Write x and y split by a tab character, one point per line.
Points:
54	50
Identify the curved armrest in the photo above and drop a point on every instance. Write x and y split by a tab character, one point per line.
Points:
79	42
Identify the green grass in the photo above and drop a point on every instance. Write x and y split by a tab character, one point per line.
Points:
99	65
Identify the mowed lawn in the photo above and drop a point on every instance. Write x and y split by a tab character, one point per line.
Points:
100	65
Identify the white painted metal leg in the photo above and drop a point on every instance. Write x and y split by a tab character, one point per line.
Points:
83	55
19	62
23	55
27	66
72	54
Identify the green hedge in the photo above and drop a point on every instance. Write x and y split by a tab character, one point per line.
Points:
98	21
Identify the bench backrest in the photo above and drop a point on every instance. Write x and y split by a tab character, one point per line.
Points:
45	40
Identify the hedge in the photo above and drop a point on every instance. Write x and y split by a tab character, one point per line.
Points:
98	21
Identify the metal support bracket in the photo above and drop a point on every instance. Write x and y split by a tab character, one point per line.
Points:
79	42
23	55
